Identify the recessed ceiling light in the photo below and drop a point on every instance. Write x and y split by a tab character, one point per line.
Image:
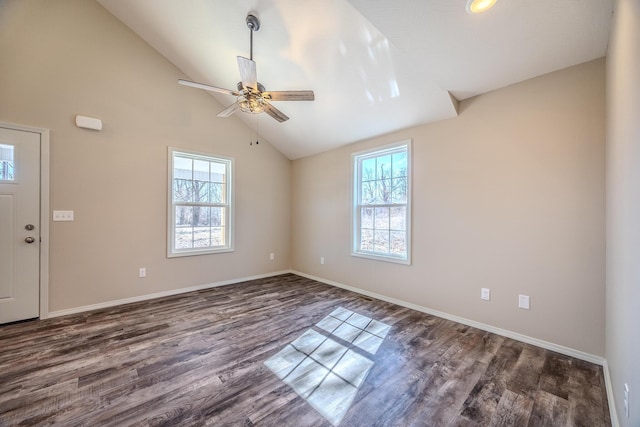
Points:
479	6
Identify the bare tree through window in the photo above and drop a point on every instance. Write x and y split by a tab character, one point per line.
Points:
200	201
381	214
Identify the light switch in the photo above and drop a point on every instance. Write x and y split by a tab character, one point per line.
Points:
63	215
523	302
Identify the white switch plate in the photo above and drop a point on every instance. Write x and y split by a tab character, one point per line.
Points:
142	272
321	260
485	294
523	302
63	215
272	256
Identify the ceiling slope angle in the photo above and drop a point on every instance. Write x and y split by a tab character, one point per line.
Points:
471	54
363	85
375	66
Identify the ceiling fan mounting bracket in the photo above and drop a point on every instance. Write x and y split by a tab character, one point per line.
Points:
253	22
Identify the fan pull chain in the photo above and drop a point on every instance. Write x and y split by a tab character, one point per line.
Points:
257	131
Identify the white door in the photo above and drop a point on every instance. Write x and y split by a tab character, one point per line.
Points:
19	225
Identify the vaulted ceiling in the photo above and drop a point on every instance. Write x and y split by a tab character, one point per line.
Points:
376	66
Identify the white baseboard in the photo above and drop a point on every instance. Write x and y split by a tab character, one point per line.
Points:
610	398
503	332
499	331
146	297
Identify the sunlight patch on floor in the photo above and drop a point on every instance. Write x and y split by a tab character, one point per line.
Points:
327	372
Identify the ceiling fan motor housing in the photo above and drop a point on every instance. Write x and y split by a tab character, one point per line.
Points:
253	22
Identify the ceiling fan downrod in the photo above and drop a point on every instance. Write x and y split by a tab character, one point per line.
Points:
254	25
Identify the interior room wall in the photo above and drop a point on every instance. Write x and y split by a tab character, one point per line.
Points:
623	209
63	58
509	195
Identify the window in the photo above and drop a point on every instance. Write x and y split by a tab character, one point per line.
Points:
7	170
200	203
381	203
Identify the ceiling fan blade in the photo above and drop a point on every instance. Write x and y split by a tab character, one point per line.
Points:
229	110
289	95
208	87
275	113
248	73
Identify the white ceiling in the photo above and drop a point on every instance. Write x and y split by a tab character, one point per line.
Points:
375	66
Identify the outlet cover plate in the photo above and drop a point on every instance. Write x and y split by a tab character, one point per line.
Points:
523	302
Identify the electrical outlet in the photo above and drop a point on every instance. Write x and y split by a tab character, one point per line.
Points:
321	260
142	272
485	294
523	302
272	256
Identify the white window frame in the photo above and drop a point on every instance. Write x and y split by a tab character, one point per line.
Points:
356	175
172	251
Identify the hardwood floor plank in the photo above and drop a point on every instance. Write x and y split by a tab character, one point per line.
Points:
513	410
198	359
549	410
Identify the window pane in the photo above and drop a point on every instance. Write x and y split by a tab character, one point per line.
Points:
398	243
201	216
201	191
383	191
368	169
183	227
383	167
368	192
218	172
217	217
216	193
183	167
217	236
381	241
398	219
381	218
184	215
201	237
399	190
7	166
366	218
200	170
399	164
366	240
182	190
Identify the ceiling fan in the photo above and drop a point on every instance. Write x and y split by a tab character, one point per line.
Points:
251	95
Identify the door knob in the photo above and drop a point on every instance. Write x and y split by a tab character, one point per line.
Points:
29	240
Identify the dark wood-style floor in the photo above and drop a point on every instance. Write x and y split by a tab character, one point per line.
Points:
199	359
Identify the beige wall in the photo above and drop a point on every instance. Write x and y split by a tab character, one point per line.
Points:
623	208
63	58
509	196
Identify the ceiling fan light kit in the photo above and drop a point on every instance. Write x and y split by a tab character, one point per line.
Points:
479	6
251	96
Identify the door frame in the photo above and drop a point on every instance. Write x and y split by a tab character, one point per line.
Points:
44	211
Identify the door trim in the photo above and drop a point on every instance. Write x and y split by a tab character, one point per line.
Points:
44	211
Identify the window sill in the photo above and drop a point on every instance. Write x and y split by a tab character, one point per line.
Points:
201	252
374	257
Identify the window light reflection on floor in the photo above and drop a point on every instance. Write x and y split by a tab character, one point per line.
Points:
324	372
